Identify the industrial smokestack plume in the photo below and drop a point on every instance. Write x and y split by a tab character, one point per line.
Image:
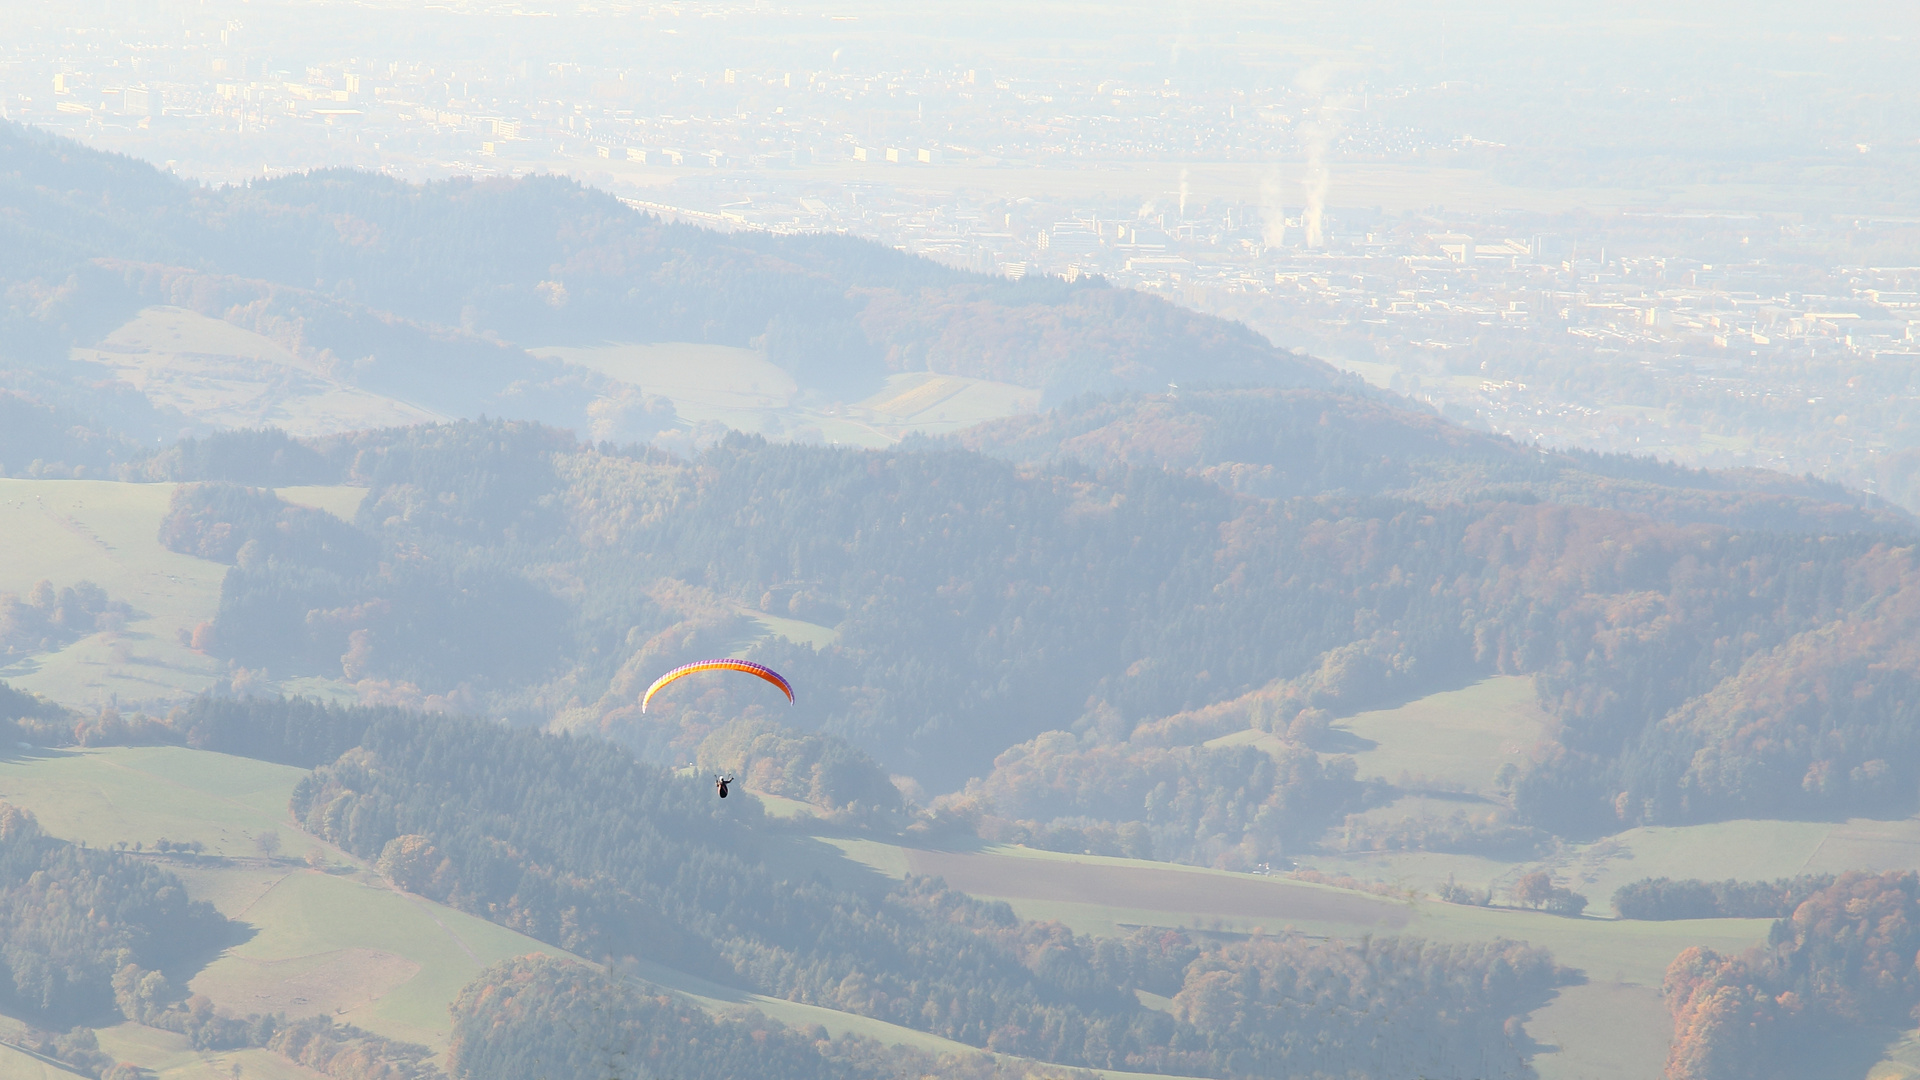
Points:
1273	213
1316	139
1316	183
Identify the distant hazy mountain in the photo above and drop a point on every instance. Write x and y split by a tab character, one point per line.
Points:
425	295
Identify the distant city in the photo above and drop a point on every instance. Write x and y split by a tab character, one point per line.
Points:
1718	337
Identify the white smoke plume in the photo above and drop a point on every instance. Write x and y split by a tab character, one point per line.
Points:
1317	136
1316	139
1183	194
1273	211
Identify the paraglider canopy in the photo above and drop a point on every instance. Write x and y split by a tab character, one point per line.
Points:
745	666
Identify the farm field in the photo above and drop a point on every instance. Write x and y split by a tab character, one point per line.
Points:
720	382
795	630
1901	1061
939	404
1457	738
345	944
1714	851
1600	1030
17	1064
171	1057
1098	893
223	376
337	499
1274	903
141	794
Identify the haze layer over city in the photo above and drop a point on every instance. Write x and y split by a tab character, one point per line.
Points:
1682	231
993	541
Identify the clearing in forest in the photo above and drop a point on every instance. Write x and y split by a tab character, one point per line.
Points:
228	377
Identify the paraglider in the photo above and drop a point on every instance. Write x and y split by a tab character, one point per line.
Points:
720	783
746	666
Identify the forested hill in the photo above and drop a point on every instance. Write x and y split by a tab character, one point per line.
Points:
371	269
1073	636
1281	443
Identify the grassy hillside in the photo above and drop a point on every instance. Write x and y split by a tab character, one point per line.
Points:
223	376
329	935
1453	739
107	532
17	1064
69	531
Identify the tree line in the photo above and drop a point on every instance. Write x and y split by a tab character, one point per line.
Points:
1665	898
1835	970
71	917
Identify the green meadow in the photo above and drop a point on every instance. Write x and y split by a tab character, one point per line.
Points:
328	935
1455	740
107	532
226	376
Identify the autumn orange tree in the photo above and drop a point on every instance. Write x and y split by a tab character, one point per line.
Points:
1842	963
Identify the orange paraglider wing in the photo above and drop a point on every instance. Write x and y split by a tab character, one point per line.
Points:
747	666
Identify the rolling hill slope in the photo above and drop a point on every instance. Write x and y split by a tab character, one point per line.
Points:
389	297
340	940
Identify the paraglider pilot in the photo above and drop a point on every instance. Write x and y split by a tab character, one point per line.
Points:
720	784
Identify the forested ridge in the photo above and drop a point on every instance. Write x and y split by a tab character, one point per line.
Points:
1090	625
1287	442
431	292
